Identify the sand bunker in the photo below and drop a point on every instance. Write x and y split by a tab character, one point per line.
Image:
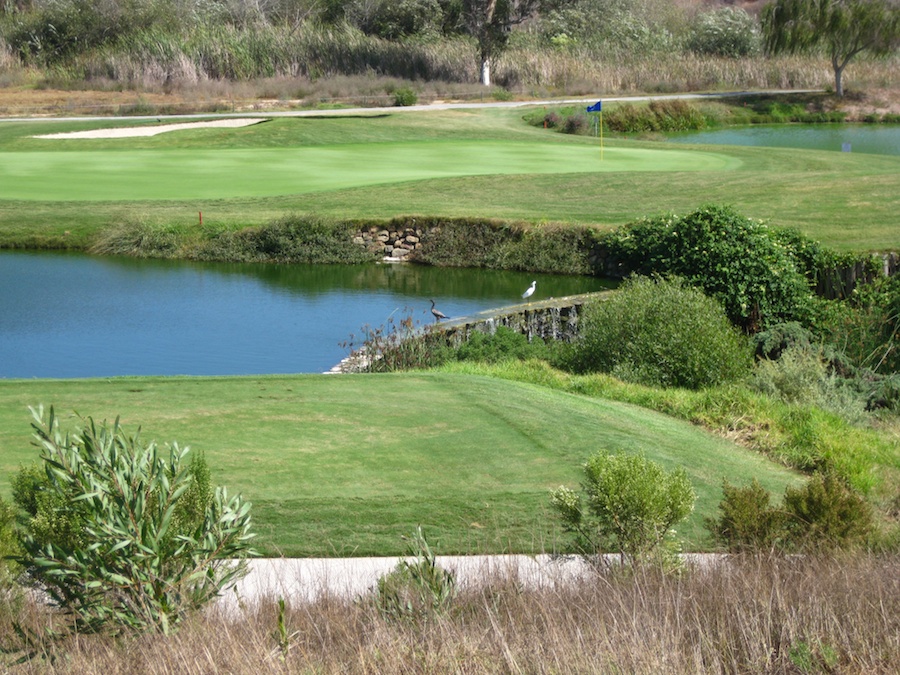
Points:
132	132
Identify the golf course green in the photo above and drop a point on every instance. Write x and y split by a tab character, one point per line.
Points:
485	163
110	175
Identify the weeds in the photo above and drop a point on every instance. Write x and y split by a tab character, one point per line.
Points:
753	614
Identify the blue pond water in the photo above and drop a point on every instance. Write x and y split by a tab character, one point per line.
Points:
70	316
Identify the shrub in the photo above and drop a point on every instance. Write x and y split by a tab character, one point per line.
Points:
122	534
825	514
867	326
725	32
822	515
733	259
292	239
629	504
803	376
674	115
8	544
748	523
405	96
575	124
397	345
661	332
415	590
501	345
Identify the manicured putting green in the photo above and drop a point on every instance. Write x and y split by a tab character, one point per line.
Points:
113	175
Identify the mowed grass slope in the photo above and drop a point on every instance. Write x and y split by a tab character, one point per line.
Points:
346	465
477	163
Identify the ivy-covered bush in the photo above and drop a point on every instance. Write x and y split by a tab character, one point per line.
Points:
738	261
123	534
661	332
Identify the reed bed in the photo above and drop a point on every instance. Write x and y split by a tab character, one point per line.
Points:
759	615
155	59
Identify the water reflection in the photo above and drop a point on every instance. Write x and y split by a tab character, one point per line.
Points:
65	315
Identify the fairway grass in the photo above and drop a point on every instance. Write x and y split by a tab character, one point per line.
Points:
462	163
346	465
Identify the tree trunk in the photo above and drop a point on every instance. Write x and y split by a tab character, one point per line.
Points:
838	81
486	71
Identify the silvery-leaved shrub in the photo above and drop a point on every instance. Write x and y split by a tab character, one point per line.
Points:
415	589
123	534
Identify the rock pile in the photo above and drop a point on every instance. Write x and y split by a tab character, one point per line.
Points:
394	244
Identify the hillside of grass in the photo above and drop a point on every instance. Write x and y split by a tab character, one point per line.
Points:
344	466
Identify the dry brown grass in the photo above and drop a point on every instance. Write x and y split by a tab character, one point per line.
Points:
751	616
872	85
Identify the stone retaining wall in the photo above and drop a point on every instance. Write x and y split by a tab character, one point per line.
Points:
552	319
555	318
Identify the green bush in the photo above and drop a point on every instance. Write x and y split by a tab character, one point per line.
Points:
867	326
738	261
405	97
661	332
822	515
747	523
474	242
803	376
825	514
8	544
629	504
122	534
674	115
502	345
415	590
292	239
725	32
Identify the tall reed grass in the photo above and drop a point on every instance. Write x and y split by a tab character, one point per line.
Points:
754	615
155	58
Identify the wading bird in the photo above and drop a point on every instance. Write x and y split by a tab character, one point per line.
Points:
528	293
438	314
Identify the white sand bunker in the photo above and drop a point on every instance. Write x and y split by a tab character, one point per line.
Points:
132	132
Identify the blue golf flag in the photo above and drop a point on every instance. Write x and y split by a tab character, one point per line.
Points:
597	107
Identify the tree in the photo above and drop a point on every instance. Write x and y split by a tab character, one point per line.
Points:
124	534
844	27
491	21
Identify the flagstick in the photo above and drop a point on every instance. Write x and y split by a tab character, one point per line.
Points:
601	135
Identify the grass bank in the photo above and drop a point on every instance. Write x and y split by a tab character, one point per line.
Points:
799	436
344	466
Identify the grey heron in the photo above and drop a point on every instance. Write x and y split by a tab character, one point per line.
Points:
438	314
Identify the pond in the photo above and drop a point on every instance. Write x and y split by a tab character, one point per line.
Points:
70	316
878	139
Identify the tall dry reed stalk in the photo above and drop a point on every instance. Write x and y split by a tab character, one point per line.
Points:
755	615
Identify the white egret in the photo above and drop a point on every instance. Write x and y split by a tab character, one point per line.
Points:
528	293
